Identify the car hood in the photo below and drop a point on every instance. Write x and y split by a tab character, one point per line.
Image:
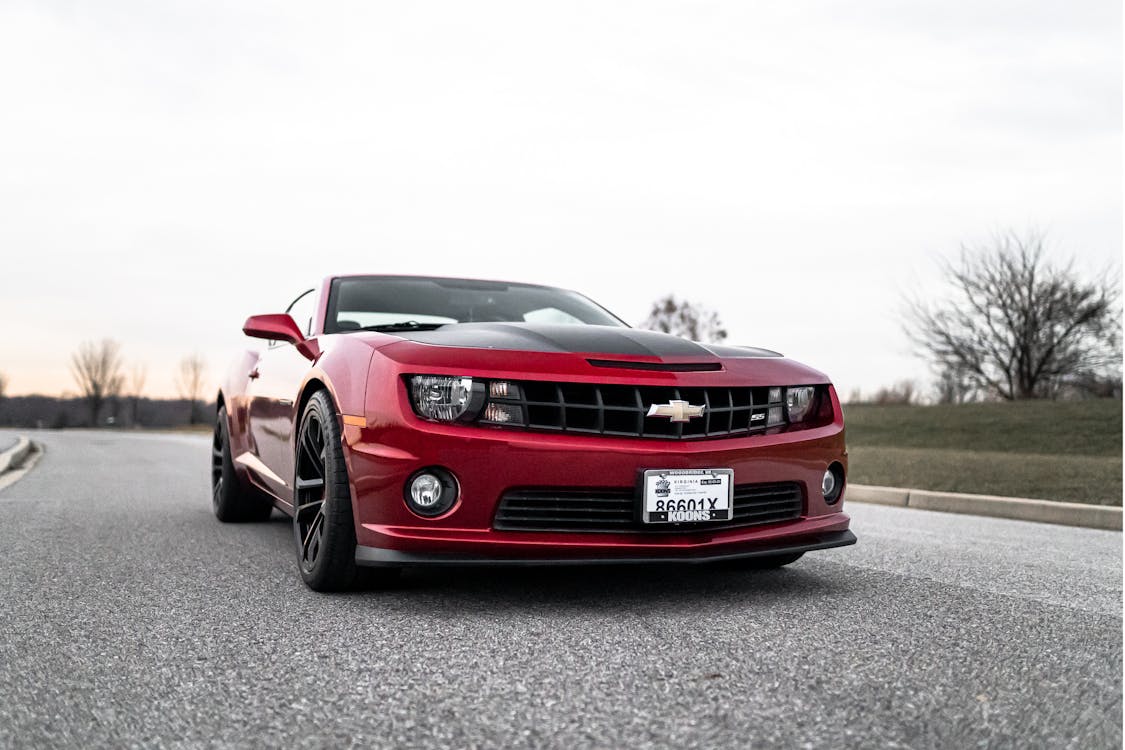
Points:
577	339
593	353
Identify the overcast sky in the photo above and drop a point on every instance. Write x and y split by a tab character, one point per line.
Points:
167	169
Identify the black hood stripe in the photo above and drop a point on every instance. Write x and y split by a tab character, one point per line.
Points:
580	339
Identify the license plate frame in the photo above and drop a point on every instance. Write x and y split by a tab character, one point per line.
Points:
682	496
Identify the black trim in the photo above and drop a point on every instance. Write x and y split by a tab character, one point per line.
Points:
375	557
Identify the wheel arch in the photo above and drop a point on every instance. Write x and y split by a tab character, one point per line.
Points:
312	385
344	379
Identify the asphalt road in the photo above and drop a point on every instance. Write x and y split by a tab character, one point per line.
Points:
130	617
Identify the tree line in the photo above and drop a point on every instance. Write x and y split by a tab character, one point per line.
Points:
111	393
99	371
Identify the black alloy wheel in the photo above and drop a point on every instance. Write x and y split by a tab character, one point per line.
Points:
230	500
218	455
310	486
323	524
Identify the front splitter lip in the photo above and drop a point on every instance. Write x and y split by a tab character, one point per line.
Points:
375	557
518	544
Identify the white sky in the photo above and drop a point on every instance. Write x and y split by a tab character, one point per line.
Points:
167	169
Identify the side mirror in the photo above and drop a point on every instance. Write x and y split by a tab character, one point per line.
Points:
279	327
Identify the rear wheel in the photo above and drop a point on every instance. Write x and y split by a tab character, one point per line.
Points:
323	524
230	500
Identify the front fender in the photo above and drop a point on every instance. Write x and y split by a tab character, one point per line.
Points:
342	366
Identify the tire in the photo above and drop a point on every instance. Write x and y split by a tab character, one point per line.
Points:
230	500
766	562
323	522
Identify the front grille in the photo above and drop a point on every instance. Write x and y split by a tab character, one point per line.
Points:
621	410
609	510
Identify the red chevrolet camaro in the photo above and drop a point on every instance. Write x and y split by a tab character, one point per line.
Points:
407	421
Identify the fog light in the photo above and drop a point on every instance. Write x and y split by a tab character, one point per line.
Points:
431	492
425	490
828	484
832	483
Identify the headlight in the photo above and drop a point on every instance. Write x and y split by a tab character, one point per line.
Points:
444	398
798	401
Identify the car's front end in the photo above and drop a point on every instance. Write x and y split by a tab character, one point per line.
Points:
528	449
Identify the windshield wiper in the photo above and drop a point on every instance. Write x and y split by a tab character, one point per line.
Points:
404	325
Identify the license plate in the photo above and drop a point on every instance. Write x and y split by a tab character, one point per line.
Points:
687	495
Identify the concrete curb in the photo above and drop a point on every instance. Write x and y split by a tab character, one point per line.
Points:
17	466
14	456
1018	508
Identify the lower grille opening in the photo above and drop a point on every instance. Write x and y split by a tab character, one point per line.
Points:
618	509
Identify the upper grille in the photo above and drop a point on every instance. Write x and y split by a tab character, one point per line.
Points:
621	410
609	510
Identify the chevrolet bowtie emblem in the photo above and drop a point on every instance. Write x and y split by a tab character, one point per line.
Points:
677	411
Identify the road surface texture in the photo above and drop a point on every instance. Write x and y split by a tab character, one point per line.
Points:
130	617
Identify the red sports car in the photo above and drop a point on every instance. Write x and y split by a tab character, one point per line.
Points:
407	421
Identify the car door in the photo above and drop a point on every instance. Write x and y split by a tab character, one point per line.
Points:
273	389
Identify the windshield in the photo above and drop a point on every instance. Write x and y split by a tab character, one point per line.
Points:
412	303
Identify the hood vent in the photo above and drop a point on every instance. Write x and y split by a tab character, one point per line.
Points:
660	366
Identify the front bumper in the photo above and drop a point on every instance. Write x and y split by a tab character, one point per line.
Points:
489	462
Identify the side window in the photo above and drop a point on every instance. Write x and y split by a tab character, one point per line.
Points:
303	309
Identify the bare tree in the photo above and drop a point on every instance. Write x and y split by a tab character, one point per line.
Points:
1017	327
686	319
137	377
96	367
189	381
3	386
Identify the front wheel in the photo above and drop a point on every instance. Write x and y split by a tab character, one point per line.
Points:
323	524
